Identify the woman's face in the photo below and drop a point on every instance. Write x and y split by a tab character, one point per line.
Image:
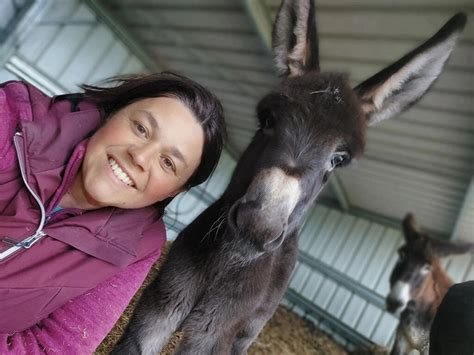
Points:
143	154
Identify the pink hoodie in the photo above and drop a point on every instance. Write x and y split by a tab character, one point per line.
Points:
55	259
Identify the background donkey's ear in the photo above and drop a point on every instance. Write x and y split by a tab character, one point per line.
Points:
294	38
411	230
445	248
401	84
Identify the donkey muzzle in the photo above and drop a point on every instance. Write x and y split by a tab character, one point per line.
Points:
393	304
266	227
264	211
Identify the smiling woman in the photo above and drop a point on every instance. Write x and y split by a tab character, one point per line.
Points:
145	153
84	180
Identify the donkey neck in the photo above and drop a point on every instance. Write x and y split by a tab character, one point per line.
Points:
442	282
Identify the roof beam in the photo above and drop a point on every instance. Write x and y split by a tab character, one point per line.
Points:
260	16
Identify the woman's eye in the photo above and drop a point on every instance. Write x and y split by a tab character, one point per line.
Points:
168	163
140	128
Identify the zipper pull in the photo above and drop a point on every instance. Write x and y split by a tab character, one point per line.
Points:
27	243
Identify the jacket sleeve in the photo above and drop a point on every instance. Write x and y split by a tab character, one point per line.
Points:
80	326
15	107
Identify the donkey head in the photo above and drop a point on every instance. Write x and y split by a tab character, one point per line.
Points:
418	260
314	122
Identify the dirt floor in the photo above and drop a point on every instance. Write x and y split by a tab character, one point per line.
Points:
285	334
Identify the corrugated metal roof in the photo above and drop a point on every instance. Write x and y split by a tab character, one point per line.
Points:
422	162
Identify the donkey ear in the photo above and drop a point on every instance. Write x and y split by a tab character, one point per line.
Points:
445	248
294	38
401	84
411	230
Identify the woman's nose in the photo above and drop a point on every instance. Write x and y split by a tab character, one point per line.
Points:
141	155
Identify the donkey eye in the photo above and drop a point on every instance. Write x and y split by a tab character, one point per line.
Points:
266	123
426	269
401	255
267	126
265	118
339	159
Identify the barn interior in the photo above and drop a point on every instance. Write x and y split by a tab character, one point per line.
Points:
421	162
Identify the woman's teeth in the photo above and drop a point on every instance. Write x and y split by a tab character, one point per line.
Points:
119	173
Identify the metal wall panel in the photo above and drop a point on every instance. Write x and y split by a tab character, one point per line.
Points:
10	10
464	228
69	47
7	9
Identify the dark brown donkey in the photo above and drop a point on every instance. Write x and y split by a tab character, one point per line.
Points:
227	271
418	284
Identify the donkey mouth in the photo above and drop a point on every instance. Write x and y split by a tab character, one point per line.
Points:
275	243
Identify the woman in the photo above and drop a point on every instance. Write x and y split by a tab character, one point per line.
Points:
84	182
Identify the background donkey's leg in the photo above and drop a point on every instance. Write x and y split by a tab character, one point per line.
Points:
401	345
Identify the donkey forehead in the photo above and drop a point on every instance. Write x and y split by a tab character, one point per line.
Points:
325	107
416	254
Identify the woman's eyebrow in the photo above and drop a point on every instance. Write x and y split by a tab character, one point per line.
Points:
151	119
178	155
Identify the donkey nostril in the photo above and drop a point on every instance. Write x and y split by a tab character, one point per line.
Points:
275	243
242	213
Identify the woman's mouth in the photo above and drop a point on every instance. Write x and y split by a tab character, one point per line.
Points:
119	173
